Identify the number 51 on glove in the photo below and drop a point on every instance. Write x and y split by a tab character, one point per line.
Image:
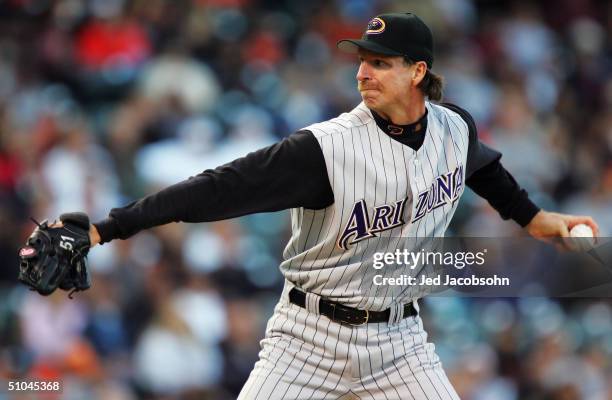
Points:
56	257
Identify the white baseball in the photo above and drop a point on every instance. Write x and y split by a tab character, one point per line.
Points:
584	237
581	231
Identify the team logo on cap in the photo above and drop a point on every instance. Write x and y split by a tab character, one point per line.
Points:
376	25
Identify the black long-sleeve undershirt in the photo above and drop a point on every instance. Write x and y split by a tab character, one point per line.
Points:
292	173
288	174
495	184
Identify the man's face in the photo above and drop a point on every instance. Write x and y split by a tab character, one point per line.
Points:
383	81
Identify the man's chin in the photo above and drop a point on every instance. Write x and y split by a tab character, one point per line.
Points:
368	100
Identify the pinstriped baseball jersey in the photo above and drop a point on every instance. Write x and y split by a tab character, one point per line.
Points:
382	188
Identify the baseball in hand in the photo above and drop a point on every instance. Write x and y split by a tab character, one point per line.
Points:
583	235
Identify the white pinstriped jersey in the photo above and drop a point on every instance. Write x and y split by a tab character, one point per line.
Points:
382	189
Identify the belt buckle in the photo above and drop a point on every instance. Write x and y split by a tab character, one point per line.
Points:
365	321
333	317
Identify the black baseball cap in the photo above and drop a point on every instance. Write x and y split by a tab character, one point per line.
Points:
396	34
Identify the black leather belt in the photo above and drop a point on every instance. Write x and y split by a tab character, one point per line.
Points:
348	315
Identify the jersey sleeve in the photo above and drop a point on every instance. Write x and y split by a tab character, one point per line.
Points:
488	178
288	174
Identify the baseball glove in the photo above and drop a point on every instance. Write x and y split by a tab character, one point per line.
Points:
57	256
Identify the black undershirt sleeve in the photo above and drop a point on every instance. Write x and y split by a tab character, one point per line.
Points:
288	174
487	177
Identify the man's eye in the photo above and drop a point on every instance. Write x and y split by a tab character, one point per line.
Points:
379	63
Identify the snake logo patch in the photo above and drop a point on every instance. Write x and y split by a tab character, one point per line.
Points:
375	26
395	130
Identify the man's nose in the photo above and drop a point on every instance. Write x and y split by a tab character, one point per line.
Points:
363	73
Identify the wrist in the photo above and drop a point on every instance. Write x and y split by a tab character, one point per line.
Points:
94	235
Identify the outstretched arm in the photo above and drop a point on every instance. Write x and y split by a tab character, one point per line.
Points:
289	174
496	184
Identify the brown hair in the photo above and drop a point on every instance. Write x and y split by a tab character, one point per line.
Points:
432	84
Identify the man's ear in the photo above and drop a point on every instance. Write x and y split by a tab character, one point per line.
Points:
418	74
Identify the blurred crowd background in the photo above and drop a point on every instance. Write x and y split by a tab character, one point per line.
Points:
104	101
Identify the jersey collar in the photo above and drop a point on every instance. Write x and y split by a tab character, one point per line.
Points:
392	129
412	135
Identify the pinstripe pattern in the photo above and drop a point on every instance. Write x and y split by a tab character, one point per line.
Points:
307	356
